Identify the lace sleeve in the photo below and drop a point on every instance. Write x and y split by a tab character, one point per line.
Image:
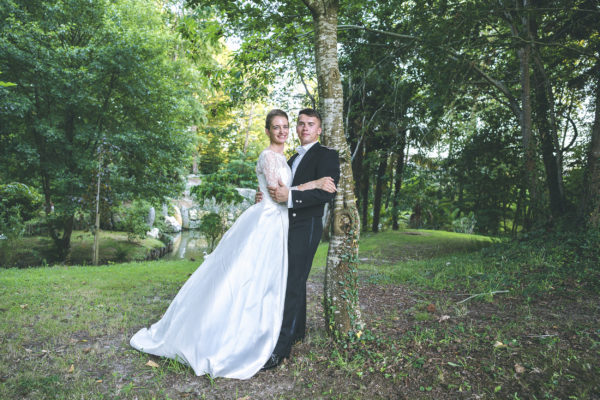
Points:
268	164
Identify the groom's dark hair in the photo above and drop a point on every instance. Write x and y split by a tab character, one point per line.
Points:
275	113
311	113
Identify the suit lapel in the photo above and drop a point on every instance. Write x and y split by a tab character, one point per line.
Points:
309	154
291	160
305	160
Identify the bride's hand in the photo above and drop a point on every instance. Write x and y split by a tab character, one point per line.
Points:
326	183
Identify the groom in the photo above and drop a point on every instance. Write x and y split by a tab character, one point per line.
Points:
312	161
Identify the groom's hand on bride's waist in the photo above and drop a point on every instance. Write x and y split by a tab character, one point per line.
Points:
280	192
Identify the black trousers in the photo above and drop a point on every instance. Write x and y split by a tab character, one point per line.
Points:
303	239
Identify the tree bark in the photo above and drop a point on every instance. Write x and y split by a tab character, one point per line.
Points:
379	190
365	186
527	139
546	122
342	311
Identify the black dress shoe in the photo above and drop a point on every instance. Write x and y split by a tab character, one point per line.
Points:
273	361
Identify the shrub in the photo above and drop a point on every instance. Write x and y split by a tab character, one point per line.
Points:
212	227
134	219
19	203
465	224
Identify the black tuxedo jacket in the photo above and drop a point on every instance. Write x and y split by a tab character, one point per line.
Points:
319	161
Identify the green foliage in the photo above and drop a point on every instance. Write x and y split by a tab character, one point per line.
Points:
212	227
133	219
36	251
217	186
19	203
464	224
19	195
89	72
221	184
486	172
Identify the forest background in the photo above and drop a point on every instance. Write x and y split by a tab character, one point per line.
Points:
467	116
480	116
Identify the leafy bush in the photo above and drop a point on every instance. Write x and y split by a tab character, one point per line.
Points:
219	186
212	228
465	224
19	203
134	219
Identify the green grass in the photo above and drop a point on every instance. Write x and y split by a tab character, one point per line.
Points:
53	317
38	250
393	246
434	259
64	331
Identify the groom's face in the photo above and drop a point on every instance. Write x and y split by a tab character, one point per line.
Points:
308	129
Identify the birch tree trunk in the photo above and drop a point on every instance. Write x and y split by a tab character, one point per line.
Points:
342	311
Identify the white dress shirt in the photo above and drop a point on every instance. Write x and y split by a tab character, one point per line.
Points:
301	150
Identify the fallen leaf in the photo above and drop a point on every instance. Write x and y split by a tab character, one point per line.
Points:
24	306
87	350
499	344
152	364
519	369
244	398
71	369
431	307
444	318
99	381
28	350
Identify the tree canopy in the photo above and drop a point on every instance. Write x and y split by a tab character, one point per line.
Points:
94	77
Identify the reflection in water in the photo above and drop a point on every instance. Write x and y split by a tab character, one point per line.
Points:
188	245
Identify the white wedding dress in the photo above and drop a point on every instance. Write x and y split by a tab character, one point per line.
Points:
226	318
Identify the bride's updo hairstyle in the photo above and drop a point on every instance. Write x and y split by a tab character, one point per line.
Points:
275	113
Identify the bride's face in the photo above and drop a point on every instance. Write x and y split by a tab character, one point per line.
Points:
279	130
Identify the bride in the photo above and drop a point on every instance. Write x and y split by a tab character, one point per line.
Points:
226	318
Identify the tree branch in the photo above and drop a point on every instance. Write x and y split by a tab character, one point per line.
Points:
482	294
574	136
454	55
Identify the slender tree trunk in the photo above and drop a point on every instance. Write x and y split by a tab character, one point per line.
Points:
96	252
398	179
342	311
365	186
548	127
379	190
550	152
357	168
590	209
527	138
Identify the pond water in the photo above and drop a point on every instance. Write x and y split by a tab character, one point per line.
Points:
188	244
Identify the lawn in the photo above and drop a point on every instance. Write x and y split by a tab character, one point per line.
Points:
447	316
